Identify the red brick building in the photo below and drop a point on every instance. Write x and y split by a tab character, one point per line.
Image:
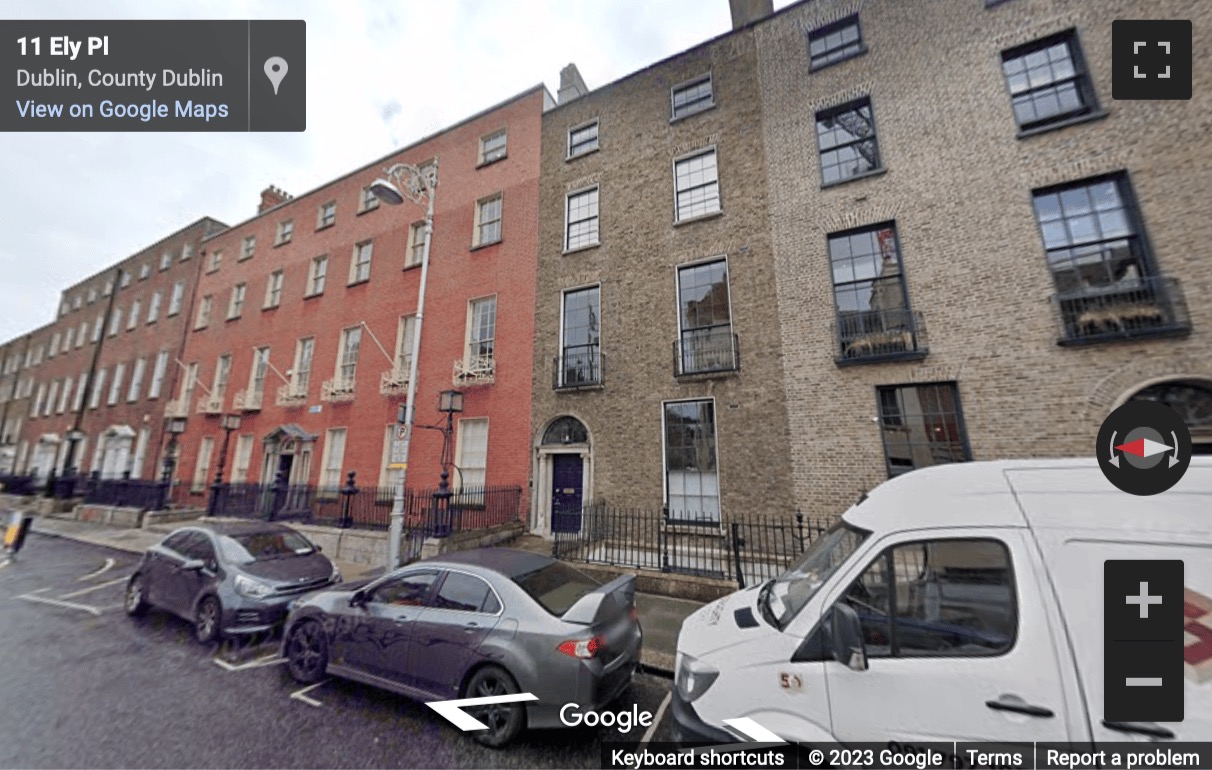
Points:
302	320
105	366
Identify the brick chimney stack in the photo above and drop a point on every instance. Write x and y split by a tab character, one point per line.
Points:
272	196
746	12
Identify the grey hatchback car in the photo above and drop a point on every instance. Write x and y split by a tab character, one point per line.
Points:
228	578
489	621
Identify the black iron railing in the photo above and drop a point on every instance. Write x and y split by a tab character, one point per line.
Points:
706	350
370	507
1136	307
877	334
18	484
130	493
581	366
746	549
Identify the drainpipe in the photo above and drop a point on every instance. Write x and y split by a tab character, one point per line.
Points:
69	463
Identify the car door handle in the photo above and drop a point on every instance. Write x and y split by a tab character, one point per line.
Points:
1019	706
1144	728
470	627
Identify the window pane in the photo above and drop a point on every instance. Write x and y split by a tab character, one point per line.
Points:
921	426
462	592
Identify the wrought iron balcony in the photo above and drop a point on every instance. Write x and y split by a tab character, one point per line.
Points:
868	336
210	404
1136	307
178	407
338	389
247	401
394	381
710	350
292	394
581	366
478	370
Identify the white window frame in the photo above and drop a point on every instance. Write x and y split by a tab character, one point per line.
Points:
347	355
136	379
153	307
331	462
596	191
572	151
317	276
468	356
416	244
115	321
218	390
136	310
78	402
144	271
685	86
52	395
216	261
166	260
158	373
286	231
359	268
479	473
561	367
204	309
498	153
273	289
66	396
300	376
477	232
115	386
367	200
406	328
323	221
665	455
248	247
178	296
259	369
243	458
235	303
206	448
677	193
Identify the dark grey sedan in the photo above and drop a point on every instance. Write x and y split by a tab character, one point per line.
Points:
490	621
228	579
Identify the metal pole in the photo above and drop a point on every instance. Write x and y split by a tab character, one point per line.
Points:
396	531
215	487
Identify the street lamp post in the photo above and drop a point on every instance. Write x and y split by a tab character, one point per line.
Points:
230	422
450	402
406	181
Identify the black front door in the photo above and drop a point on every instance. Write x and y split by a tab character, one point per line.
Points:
566	490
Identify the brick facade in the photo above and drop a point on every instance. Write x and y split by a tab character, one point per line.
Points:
127	434
459	272
958	184
635	267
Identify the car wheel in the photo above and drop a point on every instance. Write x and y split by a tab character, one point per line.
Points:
504	720
136	596
307	652
207	622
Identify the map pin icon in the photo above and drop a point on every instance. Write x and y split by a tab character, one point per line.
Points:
275	70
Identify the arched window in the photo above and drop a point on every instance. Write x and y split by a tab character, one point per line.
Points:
566	430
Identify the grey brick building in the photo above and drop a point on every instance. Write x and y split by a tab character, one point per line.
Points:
979	254
658	378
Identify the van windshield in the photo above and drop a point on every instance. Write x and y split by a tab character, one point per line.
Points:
782	598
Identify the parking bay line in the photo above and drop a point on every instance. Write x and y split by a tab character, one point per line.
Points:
83	591
656	721
108	563
299	694
267	660
55	602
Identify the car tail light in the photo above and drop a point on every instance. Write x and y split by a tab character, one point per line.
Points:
582	648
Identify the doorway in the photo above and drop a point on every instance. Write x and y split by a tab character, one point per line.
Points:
567	492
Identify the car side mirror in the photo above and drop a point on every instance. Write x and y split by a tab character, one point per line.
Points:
193	565
359	599
317	547
846	638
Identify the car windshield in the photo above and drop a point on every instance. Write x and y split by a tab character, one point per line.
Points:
263	546
781	599
557	586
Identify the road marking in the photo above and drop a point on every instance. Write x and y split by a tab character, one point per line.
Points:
104	567
268	660
454	713
656	721
57	603
83	591
299	694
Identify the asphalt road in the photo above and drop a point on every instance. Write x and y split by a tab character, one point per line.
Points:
84	686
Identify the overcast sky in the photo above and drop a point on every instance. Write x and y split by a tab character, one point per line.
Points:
366	60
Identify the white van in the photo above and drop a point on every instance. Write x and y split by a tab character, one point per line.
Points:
995	573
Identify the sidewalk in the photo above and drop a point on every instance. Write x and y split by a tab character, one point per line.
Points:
660	616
